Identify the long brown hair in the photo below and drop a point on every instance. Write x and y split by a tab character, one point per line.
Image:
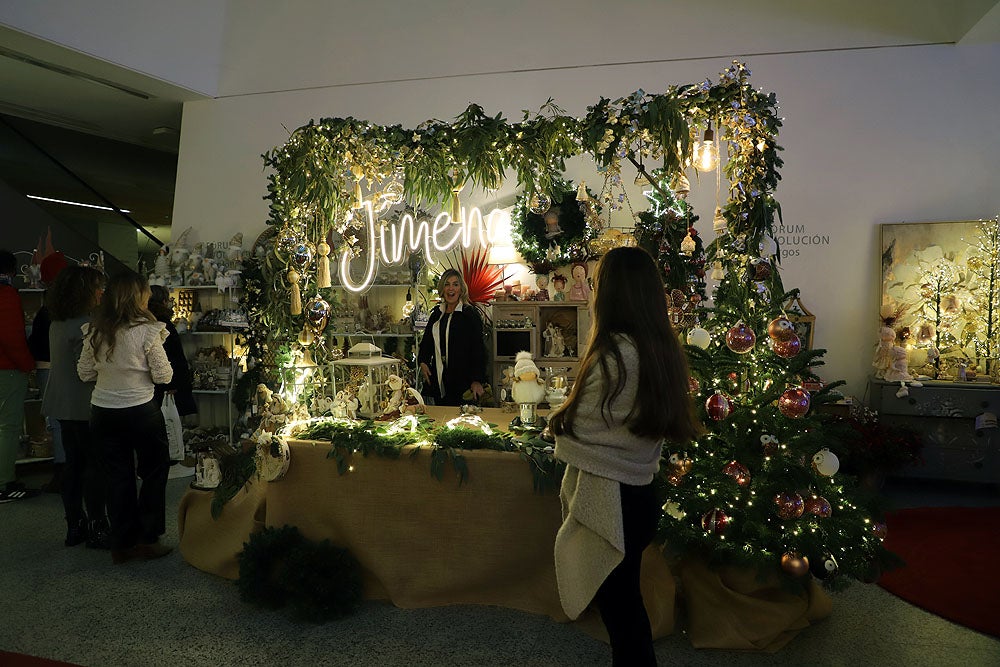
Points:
76	291
124	305
628	300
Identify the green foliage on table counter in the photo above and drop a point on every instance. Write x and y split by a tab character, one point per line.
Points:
236	469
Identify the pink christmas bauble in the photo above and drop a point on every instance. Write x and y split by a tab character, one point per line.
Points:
794	403
786	348
740	339
718	406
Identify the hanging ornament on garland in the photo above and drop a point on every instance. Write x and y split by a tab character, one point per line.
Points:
741	338
542	246
681	310
794	402
539	204
359	197
295	305
699	338
880	530
760	268
323	279
789	505
688	245
719	225
824	566
794	563
818	506
825	462
718	406
739	472
769	444
786	348
715	522
678	465
780	328
693	385
672	509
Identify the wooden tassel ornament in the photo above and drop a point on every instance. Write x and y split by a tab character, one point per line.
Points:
296	305
323	265
359	198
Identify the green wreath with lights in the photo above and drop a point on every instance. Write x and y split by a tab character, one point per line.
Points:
528	229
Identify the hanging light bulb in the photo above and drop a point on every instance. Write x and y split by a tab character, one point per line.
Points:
409	305
706	153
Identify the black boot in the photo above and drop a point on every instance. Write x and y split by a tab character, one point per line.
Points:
76	533
98	534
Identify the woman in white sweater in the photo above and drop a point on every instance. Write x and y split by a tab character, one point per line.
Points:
631	394
123	352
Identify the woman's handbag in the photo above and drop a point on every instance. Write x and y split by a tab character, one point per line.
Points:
175	430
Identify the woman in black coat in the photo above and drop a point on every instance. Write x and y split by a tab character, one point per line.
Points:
452	356
180	386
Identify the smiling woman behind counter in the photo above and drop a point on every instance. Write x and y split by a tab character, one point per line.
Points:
452	355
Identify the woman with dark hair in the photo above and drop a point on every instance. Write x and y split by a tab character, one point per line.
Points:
70	301
452	356
631	394
123	352
161	305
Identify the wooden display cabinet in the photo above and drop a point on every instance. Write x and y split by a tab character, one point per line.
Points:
522	325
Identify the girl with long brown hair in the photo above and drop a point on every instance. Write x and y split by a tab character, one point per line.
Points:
123	352
631	393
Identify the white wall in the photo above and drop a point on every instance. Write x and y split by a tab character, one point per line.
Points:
872	136
179	41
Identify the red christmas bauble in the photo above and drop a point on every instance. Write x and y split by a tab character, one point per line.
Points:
741	338
761	268
818	506
786	348
790	505
718	406
880	530
794	563
780	328
715	522
794	403
738	472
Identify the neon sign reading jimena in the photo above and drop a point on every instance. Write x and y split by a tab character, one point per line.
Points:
391	243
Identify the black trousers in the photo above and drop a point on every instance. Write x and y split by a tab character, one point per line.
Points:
619	599
83	483
134	440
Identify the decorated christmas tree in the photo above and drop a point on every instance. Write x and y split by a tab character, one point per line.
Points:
761	489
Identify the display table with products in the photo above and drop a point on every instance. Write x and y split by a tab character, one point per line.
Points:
958	422
421	542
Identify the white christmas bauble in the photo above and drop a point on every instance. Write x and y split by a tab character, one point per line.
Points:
768	246
674	510
826	462
699	338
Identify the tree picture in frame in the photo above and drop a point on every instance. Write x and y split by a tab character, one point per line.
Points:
936	280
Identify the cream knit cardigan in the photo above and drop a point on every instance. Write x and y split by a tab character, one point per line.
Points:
138	361
601	455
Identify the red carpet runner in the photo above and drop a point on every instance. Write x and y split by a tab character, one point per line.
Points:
952	559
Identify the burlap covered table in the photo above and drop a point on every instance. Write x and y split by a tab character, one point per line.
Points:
422	542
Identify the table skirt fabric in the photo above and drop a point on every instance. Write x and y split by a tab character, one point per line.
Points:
423	542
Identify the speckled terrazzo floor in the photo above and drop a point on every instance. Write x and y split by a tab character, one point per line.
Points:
73	605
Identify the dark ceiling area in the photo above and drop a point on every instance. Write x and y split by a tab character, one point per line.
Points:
47	161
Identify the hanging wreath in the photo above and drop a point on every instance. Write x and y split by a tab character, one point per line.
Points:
553	236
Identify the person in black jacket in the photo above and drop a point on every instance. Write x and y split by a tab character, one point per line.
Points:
180	386
452	356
